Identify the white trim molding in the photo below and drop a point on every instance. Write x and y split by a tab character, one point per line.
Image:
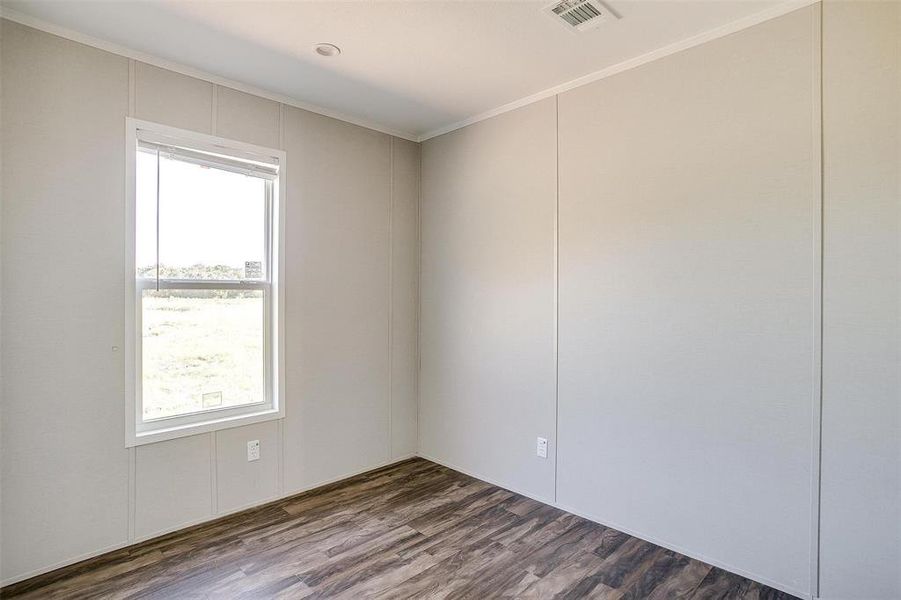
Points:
194	522
729	28
272	164
696	40
626	530
88	40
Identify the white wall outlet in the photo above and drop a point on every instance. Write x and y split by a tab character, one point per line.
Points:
253	450
541	450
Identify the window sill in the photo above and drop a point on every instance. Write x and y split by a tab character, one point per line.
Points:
171	433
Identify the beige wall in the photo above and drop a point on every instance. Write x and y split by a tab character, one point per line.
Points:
337	297
687	282
861	484
404	355
65	480
70	488
690	223
488	194
685	251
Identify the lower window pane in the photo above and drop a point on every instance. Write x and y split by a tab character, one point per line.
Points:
202	350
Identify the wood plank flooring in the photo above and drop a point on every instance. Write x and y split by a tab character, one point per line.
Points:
410	530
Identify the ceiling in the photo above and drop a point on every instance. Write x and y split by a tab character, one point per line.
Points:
411	68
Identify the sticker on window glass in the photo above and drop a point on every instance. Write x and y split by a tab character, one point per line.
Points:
253	269
211	399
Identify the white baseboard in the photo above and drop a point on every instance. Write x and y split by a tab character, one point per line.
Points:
144	538
638	534
332	480
62	563
594	518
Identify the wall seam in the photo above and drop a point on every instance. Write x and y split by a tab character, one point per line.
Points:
131	87
132	451
280	474
556	288
819	249
418	357
214	435
214	472
214	109
390	296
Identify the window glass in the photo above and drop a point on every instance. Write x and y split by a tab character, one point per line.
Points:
202	350
211	222
204	297
145	214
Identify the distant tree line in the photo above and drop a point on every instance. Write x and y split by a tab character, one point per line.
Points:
199	272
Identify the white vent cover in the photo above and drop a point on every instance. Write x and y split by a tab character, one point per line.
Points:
580	15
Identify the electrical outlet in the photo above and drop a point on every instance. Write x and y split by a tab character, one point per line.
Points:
253	450
541	450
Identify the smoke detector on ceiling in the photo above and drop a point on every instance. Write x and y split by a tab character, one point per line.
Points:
580	15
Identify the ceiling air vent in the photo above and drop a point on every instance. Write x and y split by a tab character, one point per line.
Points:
580	15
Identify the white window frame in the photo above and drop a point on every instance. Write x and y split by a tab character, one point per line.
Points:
138	431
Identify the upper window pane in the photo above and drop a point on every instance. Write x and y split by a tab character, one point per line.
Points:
205	223
145	214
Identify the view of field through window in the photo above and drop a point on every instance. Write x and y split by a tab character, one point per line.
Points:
201	352
202	349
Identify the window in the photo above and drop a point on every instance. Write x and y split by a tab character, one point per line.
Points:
205	219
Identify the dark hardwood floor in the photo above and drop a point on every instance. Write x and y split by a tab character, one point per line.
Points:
411	530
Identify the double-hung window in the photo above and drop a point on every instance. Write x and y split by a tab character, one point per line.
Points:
205	217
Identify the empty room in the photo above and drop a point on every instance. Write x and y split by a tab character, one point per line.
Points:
450	299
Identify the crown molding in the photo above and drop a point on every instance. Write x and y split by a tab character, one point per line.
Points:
771	13
88	40
696	40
